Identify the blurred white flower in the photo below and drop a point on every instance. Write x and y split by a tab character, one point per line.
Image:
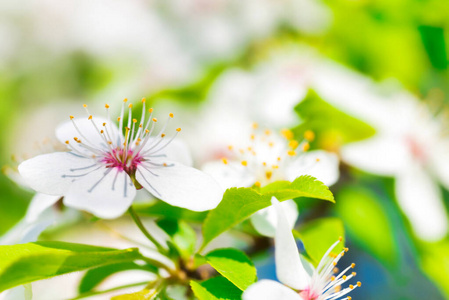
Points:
409	145
97	174
267	157
301	281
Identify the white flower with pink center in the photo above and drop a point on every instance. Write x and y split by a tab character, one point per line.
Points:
301	281
104	167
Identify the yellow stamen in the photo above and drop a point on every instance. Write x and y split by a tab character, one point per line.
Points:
287	133
154	120
171	115
268	174
134	120
309	135
306	147
293	144
150	110
244	163
162	135
143	100
90	117
291	153
255	125
178	129
130	105
257	183
106	105
85	105
125	100
71	117
224	160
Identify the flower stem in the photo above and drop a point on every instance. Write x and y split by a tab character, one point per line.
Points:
145	232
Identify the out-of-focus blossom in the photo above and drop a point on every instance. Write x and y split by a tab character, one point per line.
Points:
100	171
267	157
301	280
410	145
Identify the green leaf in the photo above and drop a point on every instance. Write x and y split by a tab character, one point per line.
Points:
332	126
94	277
183	237
25	263
435	262
318	235
303	186
234	265
162	209
217	288
367	222
435	45
240	203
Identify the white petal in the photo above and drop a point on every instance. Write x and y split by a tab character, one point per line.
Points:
379	155
289	268
38	204
269	290
421	200
229	175
320	164
106	193
87	133
46	173
181	186
176	150
265	221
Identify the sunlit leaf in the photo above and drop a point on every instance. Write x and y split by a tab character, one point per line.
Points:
29	262
234	265
217	288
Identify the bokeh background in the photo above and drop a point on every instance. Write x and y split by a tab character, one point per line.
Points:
353	71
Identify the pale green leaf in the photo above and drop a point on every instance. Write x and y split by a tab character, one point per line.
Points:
217	288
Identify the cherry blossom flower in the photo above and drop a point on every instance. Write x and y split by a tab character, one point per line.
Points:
301	281
103	168
269	157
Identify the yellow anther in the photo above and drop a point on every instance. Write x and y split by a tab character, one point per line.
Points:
230	147
267	132
244	163
306	146
147	131
335	270
143	100
162	135
125	100
154	120
352	265
353	274
109	142
137	143
93	156
71	117
359	284
268	174
344	277
224	160
130	105
106	105
140	126
346	249
351	286
264	164
332	278
90	117
317	160
178	129
271	144
67	142
118	119
257	183
171	115
279	158
164	164
293	144
334	263
275	166
101	131
134	120
255	125
241	151
253	136
338	288
340	238
309	135
249	148
139	139
150	110
291	152
349	298
287	133
85	105
104	124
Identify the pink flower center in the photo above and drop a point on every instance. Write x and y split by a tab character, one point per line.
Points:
307	294
123	159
